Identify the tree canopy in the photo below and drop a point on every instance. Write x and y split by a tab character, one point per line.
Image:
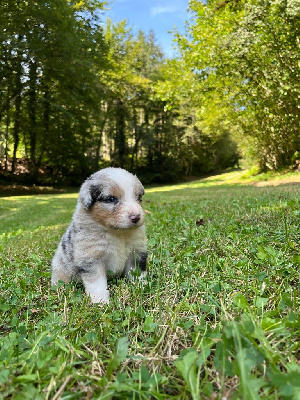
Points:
247	59
78	92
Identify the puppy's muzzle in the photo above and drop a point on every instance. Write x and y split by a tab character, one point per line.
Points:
135	218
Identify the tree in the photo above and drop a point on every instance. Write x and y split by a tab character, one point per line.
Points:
53	52
246	56
77	96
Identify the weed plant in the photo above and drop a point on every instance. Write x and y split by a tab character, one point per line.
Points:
217	319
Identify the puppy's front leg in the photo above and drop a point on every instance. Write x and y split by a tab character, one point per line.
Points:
95	283
137	260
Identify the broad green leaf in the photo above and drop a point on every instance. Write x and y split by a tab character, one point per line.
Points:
119	356
187	366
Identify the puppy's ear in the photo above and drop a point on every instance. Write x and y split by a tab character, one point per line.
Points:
89	193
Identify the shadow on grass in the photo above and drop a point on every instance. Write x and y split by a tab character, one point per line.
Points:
25	190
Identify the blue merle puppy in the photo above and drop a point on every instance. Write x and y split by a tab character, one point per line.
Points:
107	233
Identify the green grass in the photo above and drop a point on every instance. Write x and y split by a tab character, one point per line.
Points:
218	318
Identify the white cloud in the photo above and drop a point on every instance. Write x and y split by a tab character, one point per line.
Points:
163	10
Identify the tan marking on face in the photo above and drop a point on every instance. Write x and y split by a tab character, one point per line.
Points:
116	191
105	213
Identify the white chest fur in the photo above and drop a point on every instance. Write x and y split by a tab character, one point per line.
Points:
116	255
119	247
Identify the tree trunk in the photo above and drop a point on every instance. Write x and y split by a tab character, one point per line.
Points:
7	131
120	139
32	114
99	141
18	100
46	124
150	147
135	135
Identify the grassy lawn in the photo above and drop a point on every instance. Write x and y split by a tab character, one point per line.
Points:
217	319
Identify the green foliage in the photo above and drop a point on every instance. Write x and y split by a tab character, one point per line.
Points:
77	94
118	357
188	368
50	53
218	316
245	56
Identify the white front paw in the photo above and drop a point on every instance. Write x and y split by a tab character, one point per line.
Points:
102	297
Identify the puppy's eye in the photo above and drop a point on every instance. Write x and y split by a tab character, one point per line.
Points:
140	198
110	199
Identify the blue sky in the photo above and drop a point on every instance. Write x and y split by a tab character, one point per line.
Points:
159	15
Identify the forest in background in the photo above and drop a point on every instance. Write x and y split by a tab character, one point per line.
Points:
78	92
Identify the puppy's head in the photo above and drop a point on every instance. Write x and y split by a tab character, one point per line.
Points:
113	198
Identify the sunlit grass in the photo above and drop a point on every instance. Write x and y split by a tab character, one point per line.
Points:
236	178
217	319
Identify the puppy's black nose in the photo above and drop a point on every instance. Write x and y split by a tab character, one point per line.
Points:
135	218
